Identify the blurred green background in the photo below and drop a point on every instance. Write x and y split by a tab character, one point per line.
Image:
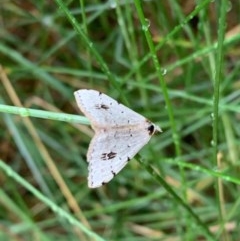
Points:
176	63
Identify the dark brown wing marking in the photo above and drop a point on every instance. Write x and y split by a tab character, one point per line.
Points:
102	106
108	156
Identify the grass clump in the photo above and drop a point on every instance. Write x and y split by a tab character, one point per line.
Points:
175	63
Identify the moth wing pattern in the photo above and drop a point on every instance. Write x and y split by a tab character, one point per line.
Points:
116	147
103	111
119	134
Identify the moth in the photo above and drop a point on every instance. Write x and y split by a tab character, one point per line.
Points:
119	134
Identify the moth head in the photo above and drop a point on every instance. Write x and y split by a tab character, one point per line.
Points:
152	129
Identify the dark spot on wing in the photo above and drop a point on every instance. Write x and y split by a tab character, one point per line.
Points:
128	159
114	174
102	106
108	156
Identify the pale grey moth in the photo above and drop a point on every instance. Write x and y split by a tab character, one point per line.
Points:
119	134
